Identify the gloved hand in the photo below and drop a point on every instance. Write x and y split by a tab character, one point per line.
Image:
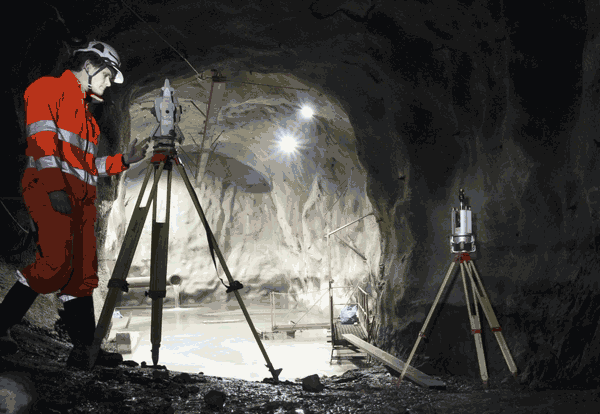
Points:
136	151
60	201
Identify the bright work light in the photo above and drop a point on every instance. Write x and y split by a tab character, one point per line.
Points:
288	143
306	112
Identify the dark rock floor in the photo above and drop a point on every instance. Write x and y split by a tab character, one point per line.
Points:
136	390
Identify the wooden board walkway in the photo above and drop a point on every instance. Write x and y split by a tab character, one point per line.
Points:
299	326
394	363
341	329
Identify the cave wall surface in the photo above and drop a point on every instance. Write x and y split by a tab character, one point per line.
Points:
268	212
489	96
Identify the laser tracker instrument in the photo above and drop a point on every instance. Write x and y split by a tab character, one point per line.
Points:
167	112
462	242
462	238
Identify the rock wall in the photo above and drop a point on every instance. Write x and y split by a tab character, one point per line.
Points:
271	241
524	153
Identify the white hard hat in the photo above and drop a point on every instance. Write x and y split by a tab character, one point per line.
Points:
108	54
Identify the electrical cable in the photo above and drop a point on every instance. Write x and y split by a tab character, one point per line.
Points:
190	65
11	216
272	86
315	291
213	146
343	192
314	304
187	155
168	44
193	103
30	234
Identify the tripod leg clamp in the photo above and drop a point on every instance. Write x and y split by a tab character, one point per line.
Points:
462	257
234	286
156	294
118	283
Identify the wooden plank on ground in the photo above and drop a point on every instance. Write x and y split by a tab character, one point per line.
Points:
394	363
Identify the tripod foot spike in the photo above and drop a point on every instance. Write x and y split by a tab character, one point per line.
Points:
94	350
155	355
275	373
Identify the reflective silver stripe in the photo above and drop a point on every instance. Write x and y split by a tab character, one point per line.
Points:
63	135
66	298
21	278
51	161
101	166
81	174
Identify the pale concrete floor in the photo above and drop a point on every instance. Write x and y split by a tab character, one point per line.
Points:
221	344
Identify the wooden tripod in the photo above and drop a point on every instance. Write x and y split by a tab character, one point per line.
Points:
163	159
479	297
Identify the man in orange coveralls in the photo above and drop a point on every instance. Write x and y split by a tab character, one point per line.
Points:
59	189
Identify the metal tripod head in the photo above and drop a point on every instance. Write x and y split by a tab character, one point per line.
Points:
462	239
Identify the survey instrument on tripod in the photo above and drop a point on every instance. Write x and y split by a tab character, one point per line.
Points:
167	112
462	242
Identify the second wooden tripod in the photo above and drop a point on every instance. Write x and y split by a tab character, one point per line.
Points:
480	297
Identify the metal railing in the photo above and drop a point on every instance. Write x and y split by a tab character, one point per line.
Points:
364	315
299	312
357	297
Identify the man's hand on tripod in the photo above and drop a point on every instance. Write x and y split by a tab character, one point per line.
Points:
136	152
60	201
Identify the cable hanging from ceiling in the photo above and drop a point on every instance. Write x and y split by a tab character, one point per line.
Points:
168	44
200	76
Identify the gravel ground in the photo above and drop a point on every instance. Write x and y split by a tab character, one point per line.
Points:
135	389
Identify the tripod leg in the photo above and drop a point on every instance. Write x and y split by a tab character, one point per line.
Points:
475	326
130	242
275	373
422	332
158	270
486	305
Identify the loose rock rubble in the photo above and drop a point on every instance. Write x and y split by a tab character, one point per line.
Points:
312	383
134	389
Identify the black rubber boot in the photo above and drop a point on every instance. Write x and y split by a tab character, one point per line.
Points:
80	324
13	308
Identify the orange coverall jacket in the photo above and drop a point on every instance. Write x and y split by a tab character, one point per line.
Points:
62	144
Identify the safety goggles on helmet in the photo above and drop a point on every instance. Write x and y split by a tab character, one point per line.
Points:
109	57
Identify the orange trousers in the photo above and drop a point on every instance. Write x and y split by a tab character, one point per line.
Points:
66	260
